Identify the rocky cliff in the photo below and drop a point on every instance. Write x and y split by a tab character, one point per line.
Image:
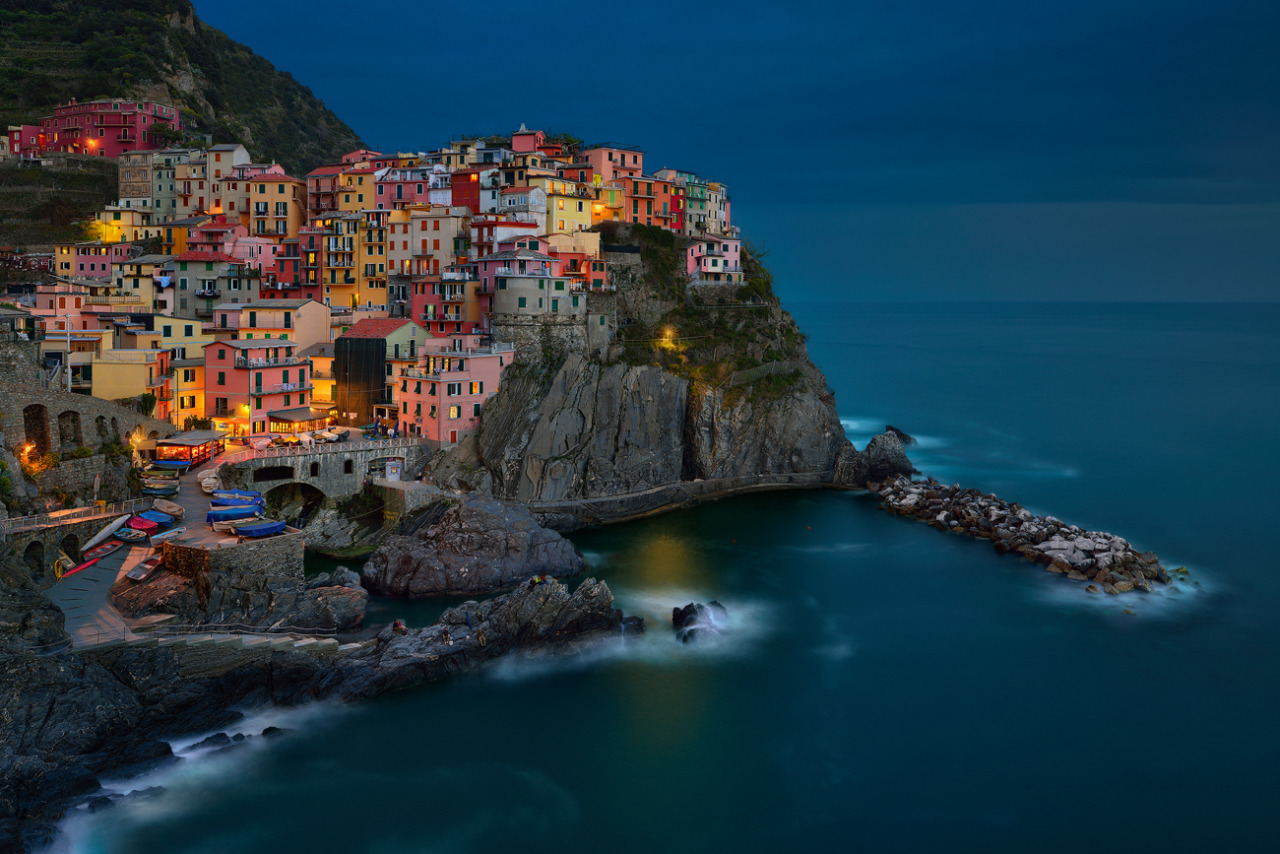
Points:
705	391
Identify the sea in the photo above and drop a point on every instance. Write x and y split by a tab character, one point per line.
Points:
879	686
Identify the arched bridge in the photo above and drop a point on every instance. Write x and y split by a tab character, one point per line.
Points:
339	470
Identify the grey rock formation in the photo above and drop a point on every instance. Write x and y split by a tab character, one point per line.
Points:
883	458
478	545
69	718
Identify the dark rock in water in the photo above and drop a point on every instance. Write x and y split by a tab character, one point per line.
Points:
902	437
218	739
238	737
274	732
882	460
100	803
695	620
477	546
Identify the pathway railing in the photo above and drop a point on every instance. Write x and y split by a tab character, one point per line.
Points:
327	448
62	517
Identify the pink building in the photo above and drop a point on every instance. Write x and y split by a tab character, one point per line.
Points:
217	235
106	128
610	160
89	260
415	185
259	386
527	140
443	398
715	259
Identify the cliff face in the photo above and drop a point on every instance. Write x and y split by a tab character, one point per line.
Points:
605	430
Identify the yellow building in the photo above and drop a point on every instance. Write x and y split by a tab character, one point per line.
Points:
188	389
141	283
321	356
116	225
174	234
569	204
357	189
122	373
184	336
278	206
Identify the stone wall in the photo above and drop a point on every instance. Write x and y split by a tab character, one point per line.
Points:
531	335
325	470
281	555
56	420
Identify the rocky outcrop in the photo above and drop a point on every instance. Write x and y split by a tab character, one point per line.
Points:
883	458
28	620
696	620
1081	555
476	546
69	718
537	618
256	595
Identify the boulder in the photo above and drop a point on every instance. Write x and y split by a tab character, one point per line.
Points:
696	620
478	545
902	436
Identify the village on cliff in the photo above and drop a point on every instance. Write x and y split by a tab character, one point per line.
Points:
386	290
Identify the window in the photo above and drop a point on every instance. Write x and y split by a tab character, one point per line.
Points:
167	331
521	302
477	388
475	410
222	378
315	469
348	467
186	330
455	411
257	403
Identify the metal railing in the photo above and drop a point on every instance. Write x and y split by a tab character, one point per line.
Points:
279	387
62	517
339	447
265	362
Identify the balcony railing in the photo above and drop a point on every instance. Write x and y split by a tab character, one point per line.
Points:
205	293
531	271
269	363
282	387
450	276
113	299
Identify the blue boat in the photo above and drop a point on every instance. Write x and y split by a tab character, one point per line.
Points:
156	516
232	501
228	514
242	494
170	464
160	491
265	528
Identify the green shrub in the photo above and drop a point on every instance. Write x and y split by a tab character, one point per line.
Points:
80	453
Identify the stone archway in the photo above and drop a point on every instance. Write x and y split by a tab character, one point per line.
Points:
34	556
69	435
35	424
71	546
115	428
100	424
296	502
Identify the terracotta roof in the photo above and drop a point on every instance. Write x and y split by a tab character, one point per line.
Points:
208	256
375	327
332	169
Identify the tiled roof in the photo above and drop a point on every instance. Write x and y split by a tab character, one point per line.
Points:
254	343
333	169
323	349
521	254
375	327
208	256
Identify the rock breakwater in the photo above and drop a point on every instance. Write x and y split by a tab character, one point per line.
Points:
1105	559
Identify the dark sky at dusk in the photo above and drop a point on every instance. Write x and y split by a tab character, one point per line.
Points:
921	149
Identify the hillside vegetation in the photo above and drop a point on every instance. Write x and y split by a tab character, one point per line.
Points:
55	50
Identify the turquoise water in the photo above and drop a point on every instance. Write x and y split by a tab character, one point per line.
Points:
884	686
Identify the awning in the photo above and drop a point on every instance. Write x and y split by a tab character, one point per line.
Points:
298	413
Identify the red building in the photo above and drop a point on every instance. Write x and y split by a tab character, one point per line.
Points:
105	128
466	189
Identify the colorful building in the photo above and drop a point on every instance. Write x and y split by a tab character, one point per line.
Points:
715	259
259	387
104	128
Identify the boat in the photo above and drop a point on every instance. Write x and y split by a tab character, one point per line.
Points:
143	570
131	535
230	526
265	528
98	552
175	534
227	514
146	526
169	508
208	486
233	501
111	527
242	494
260	444
62	565
162	519
326	436
159	491
77	568
177	465
166	474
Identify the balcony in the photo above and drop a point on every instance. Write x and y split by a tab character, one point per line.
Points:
451	276
270	363
206	293
544	272
282	387
321	375
113	299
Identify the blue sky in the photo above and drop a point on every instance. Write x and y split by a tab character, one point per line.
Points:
911	150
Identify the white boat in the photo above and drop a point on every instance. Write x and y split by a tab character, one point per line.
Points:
171	534
208	486
326	436
106	532
174	510
305	438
